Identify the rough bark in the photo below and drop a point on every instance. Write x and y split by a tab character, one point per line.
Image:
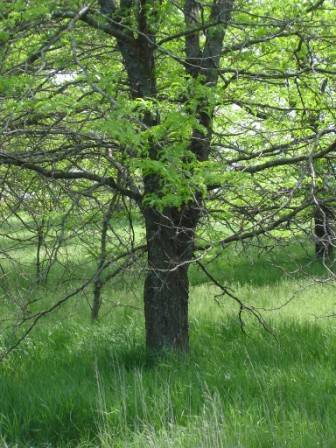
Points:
324	229
170	238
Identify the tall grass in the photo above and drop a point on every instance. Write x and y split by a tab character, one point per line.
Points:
77	384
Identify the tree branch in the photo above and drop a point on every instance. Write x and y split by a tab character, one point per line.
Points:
6	159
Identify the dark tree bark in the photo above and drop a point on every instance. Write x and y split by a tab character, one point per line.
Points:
166	285
170	242
324	229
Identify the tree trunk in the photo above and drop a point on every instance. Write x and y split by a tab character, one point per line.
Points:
170	238
324	231
99	283
170	234
40	241
97	299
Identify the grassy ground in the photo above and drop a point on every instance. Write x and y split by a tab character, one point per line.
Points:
77	384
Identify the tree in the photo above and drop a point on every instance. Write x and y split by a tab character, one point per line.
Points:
195	111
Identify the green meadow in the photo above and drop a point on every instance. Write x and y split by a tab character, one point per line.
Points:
74	383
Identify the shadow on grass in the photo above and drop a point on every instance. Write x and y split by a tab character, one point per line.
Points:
64	385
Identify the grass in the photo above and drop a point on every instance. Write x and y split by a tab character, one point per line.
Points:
93	387
76	384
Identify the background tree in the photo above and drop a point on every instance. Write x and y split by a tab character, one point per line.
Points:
196	112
